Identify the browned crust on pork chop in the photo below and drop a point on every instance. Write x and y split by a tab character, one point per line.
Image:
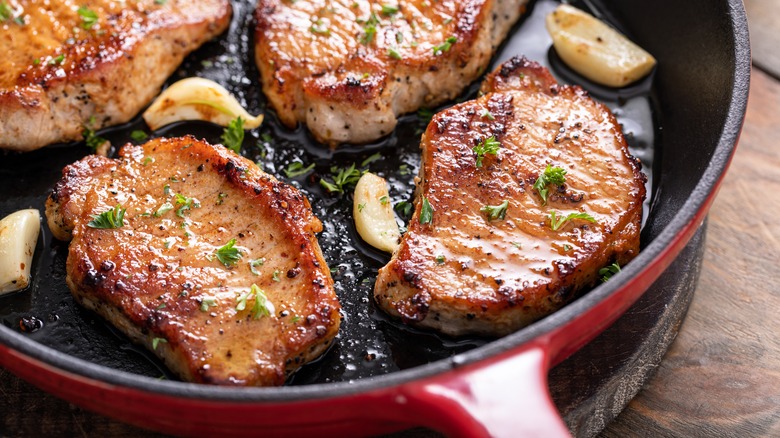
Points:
467	274
59	74
158	277
321	63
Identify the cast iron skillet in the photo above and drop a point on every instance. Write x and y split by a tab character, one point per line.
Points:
382	376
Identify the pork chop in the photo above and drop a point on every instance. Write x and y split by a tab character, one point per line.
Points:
349	68
70	65
488	249
215	267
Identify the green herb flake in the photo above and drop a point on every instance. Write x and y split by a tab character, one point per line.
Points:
57	60
342	178
147	160
608	272
404	170
426	212
113	218
566	247
384	200
361	207
319	28
275	275
404	209
445	46
295	319
425	115
495	212
487	115
440	259
233	135
160	2
5	12
167	189
393	53
551	175
254	263
297	168
369	30
486	146
90	138
88	17
156	342
139	135
206	303
165	208
36	61
557	222
517	245
186	204
228	254
389	10
262	306
241	301
375	157
221	198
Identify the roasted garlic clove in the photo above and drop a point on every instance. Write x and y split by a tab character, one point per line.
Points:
373	212
18	237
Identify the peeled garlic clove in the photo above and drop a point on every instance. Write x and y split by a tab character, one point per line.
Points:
18	237
197	99
373	212
595	50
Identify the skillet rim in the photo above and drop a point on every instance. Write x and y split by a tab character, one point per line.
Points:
703	192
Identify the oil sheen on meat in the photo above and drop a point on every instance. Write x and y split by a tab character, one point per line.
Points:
348	68
93	63
160	277
465	273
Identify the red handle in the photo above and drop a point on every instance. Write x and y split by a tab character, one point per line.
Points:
506	396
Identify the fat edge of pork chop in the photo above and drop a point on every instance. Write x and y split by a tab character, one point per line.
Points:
160	279
468	273
349	69
61	75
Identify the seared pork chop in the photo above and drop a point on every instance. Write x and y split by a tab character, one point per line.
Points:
487	252
215	268
95	63
348	69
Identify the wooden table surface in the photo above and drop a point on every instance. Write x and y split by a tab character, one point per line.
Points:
721	376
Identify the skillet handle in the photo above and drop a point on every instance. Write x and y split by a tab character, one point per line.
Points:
506	396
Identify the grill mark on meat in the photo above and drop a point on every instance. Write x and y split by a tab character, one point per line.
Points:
500	275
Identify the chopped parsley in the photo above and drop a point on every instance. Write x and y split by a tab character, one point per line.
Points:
517	245
256	262
486	114
262	306
90	138
445	46
165	208
389	10
608	272
228	254
369	30
275	275
404	170
551	175
425	115
404	209
319	28
375	157
113	218
296	168
487	146
206	303
495	212
556	222
341	178
383	200
186	204
88	17
57	60
233	135
566	247
147	160
440	259
160	2
361	207
426	213
393	53
5	12
241	304
156	342
139	135
167	189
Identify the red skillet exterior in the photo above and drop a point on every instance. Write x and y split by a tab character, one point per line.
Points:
498	390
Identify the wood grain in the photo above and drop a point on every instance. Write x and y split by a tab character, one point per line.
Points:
764	17
721	376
